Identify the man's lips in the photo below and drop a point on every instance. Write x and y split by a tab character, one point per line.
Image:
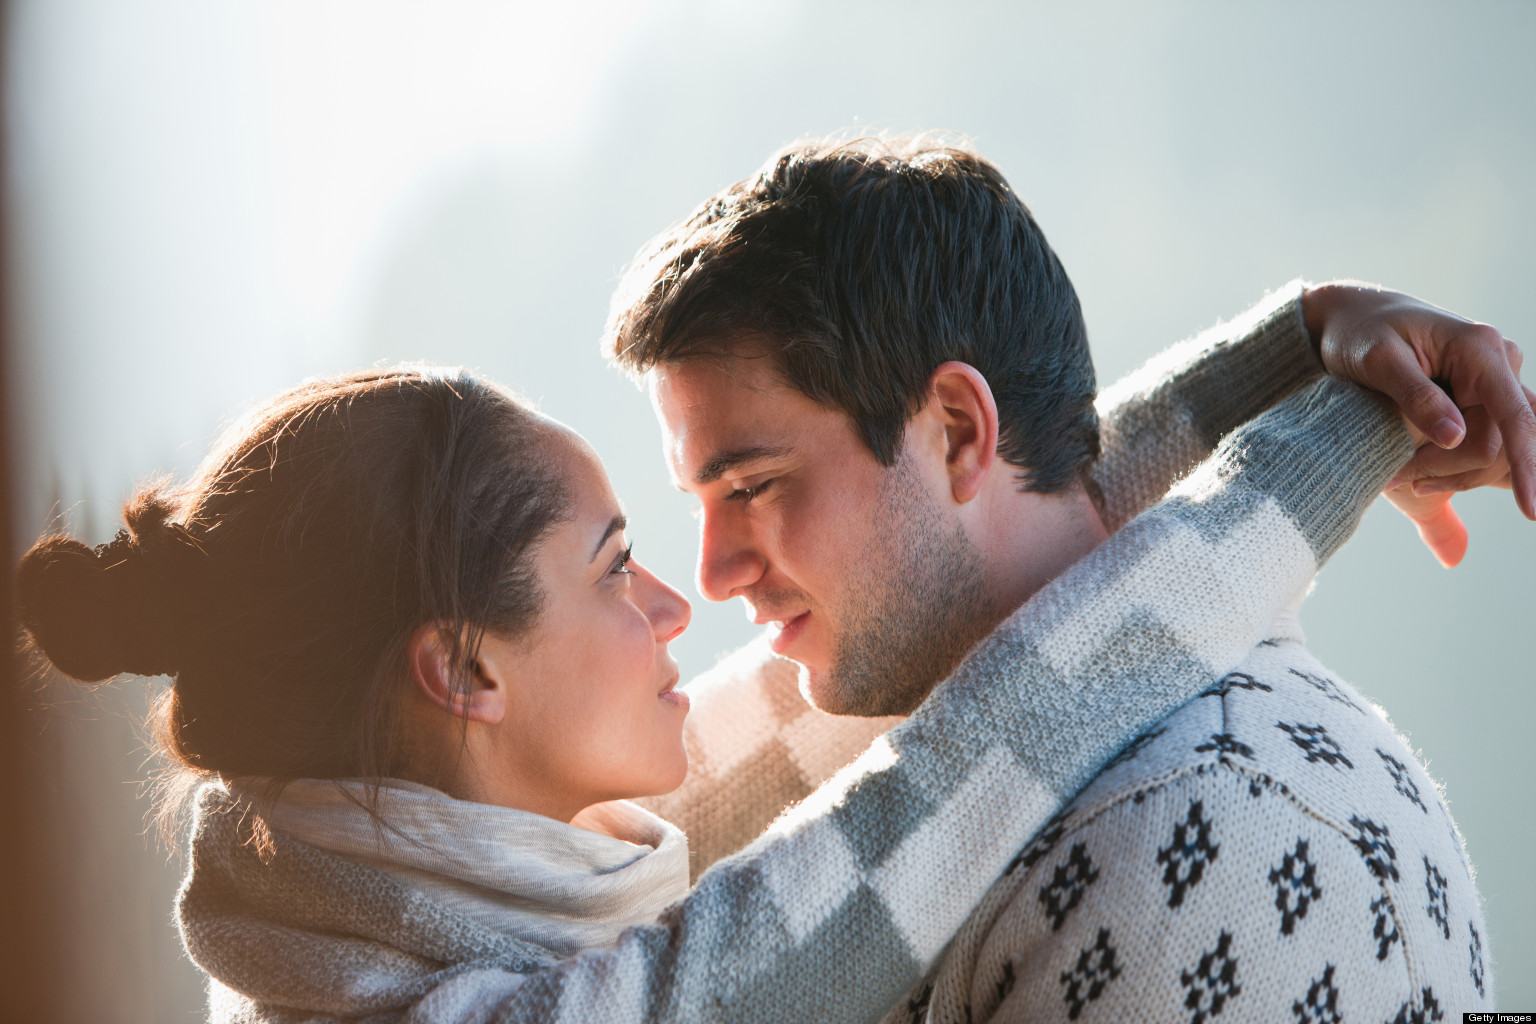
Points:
784	631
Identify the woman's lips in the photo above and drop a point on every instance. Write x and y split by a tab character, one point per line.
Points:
785	635
673	695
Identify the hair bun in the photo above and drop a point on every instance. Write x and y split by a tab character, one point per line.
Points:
95	612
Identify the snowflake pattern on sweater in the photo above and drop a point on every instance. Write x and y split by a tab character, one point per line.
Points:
1272	852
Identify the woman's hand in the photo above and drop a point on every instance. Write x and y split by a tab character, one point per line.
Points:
1457	384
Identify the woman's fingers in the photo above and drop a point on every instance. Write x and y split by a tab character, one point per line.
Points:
1497	476
1390	366
1481	448
1440	528
1444	535
1406	349
1512	407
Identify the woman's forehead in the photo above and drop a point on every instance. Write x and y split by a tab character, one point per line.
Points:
593	504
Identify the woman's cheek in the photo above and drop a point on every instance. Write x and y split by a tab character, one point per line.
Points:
639	644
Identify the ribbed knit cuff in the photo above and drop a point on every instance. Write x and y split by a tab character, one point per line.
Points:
1268	356
1324	454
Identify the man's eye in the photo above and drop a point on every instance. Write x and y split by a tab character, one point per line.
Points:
746	494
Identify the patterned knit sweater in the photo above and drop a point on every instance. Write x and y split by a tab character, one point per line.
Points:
1270	851
849	899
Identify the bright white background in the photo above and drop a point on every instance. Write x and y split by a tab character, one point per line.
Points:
211	200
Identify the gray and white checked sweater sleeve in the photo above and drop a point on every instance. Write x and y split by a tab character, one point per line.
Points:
848	900
1161	420
755	746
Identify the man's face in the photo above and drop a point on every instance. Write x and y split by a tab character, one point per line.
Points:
862	572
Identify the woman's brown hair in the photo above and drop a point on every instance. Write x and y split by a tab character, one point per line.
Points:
278	586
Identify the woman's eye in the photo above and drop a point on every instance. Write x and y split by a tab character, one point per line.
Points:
621	564
746	494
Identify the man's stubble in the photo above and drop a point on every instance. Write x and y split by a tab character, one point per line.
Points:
914	611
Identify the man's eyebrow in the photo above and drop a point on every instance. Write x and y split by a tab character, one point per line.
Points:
723	463
615	525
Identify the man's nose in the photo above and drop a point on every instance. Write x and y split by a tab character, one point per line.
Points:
729	556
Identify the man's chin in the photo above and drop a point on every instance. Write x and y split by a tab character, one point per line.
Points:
820	691
834	693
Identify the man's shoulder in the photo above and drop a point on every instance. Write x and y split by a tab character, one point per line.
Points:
1272	838
1284	722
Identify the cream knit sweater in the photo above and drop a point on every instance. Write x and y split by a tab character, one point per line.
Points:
1270	851
849	900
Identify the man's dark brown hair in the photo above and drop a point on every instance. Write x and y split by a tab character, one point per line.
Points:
862	266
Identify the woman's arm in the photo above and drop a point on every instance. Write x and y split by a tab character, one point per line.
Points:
1160	421
850	896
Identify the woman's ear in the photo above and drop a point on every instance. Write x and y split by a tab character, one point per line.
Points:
963	401
427	654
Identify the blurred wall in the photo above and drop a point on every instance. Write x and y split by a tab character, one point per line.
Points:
208	202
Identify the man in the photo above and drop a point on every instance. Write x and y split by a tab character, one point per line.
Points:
872	371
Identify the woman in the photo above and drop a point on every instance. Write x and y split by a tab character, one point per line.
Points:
414	665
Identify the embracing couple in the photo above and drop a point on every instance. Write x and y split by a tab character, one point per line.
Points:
417	678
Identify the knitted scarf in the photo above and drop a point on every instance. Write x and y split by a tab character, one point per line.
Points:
356	915
565	887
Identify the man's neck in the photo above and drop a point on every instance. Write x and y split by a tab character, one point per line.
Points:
1027	540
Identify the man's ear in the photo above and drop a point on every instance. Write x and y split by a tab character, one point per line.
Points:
426	653
960	396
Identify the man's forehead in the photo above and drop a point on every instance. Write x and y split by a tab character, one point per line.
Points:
718	414
700	377
712	395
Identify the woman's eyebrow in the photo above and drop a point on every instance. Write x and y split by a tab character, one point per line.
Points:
615	525
723	463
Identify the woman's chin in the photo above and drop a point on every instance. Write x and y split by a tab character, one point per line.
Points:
670	778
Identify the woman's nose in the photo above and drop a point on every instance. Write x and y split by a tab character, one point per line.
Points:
668	610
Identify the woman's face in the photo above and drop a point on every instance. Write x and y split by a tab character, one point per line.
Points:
591	713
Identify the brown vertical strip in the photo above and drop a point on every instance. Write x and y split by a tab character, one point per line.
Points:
31	952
